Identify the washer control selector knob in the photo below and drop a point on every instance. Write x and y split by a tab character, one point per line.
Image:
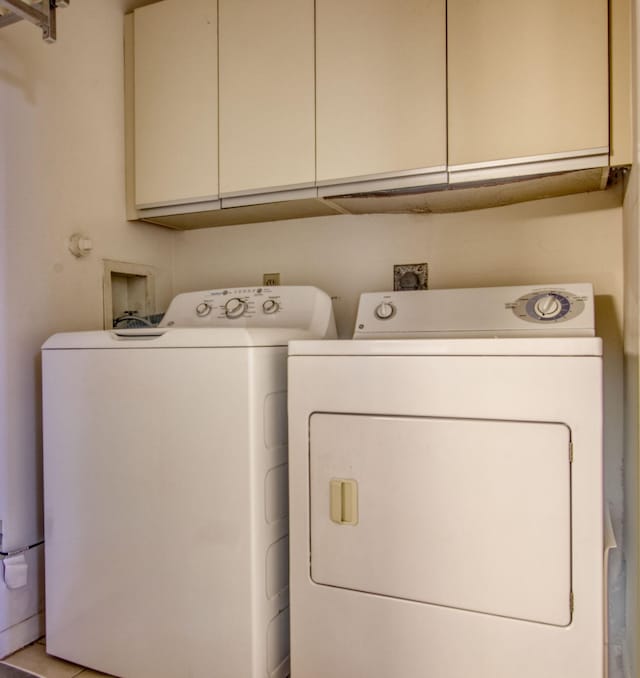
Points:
270	306
203	309
548	306
235	308
385	310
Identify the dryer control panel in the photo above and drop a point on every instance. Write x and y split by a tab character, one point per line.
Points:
301	307
563	310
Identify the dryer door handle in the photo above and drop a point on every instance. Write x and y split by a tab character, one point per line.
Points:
343	501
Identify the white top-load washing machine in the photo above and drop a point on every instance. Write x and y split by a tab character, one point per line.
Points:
446	489
165	471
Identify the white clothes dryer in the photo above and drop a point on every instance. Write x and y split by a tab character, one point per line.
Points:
165	471
446	489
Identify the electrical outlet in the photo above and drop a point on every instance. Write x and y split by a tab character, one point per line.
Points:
270	279
410	276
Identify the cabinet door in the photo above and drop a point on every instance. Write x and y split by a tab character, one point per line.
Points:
381	87
527	79
176	102
267	106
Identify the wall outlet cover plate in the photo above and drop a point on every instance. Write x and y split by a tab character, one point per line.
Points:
410	277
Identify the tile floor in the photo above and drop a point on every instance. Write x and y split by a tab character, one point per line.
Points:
7	671
36	661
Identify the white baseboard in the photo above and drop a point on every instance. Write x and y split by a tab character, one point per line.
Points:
16	637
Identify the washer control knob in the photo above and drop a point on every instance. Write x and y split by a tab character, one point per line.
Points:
385	310
548	306
270	306
203	309
235	308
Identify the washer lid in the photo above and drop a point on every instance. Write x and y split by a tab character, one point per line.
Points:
166	337
543	346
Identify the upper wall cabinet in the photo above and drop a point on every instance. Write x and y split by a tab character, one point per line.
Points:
380	93
528	86
241	111
267	96
175	56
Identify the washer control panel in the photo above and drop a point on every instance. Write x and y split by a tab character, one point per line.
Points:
216	308
268	307
522	311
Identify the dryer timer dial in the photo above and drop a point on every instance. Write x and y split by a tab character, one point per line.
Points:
548	306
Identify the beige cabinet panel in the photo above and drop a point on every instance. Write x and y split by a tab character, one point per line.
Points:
526	79
267	97
176	102
621	86
381	87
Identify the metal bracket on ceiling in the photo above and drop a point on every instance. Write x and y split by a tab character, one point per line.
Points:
42	13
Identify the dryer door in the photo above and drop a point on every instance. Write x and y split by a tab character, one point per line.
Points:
470	514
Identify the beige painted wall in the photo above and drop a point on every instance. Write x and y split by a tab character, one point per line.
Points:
61	171
632	375
631	222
